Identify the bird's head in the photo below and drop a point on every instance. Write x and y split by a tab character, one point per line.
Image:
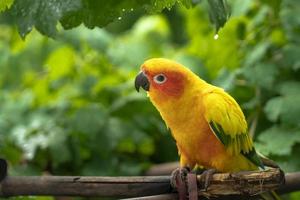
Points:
164	79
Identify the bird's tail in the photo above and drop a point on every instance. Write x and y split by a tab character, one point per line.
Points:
267	161
272	195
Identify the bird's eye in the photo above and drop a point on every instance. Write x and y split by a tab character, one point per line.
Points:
160	78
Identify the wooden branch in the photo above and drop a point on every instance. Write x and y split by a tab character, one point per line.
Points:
292	179
292	183
174	196
242	183
85	186
171	196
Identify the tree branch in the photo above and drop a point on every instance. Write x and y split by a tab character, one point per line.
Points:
84	186
292	180
292	183
242	183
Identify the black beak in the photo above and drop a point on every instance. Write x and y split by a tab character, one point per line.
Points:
141	80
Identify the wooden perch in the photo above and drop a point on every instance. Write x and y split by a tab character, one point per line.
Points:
242	183
84	186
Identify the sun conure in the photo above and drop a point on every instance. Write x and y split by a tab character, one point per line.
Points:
207	123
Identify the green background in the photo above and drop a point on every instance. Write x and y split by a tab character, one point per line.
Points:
67	99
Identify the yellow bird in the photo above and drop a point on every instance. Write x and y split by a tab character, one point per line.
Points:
207	123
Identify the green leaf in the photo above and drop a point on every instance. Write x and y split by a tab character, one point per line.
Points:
290	18
257	53
241	7
57	141
126	145
89	119
219	13
5	4
157	6
187	3
60	62
291	162
275	5
261	74
273	108
225	79
291	56
289	88
100	12
146	147
154	6
43	15
291	109
277	141
286	108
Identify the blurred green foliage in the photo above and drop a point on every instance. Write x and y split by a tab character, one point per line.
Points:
68	106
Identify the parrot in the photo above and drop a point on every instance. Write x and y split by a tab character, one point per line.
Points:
208	125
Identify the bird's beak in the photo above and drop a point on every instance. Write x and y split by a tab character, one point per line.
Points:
141	80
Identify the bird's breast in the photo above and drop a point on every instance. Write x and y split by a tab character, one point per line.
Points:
185	118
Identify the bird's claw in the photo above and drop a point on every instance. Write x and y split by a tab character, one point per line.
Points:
179	173
206	177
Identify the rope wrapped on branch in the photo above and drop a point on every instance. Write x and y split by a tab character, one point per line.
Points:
242	183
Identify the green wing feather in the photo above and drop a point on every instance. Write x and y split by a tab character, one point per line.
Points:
228	123
253	157
226	140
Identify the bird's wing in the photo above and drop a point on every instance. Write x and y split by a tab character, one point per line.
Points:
228	123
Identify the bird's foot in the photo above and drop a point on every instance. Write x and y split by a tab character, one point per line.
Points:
178	176
198	170
206	177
